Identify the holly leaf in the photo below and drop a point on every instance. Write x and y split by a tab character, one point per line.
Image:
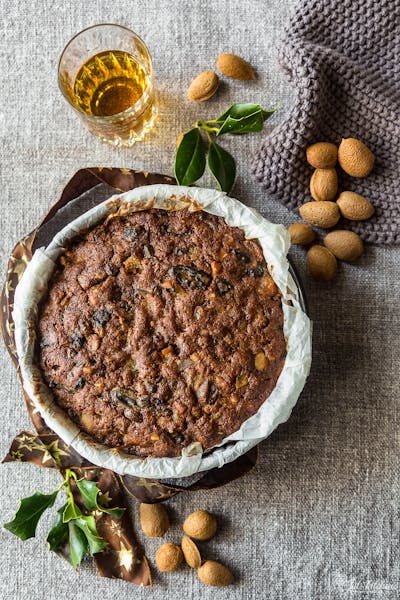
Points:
58	534
28	514
190	158
87	525
71	511
239	110
114	512
94	500
243	118
89	492
222	166
78	543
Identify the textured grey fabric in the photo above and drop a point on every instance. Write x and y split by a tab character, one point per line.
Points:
343	57
318	519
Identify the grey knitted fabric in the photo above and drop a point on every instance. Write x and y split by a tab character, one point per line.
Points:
343	58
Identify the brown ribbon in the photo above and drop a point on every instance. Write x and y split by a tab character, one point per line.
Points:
123	556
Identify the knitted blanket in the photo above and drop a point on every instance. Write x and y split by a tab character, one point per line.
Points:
343	58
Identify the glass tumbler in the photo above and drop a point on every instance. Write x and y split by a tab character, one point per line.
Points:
106	74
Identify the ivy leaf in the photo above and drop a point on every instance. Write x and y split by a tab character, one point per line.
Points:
190	159
94	500
28	514
71	511
243	118
58	534
87	525
78	544
222	166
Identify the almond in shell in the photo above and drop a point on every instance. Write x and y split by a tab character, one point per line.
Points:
191	552
153	519
203	86
322	155
355	157
345	245
169	557
324	184
215	574
302	234
321	263
354	206
235	66
323	214
200	525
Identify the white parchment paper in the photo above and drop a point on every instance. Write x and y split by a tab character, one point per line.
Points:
276	409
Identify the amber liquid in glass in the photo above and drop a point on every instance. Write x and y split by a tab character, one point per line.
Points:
109	83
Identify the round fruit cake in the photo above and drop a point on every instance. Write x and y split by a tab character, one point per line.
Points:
160	329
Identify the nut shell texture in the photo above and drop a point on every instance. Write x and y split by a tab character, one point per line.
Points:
200	525
153	519
354	206
322	155
191	552
324	184
215	574
320	214
355	157
321	263
302	234
169	557
345	245
203	86
235	66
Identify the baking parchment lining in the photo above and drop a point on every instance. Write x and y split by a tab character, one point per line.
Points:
274	241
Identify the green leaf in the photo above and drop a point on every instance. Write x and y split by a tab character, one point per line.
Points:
190	158
243	118
28	514
268	113
58	534
114	512
239	110
222	166
93	499
71	511
89	492
78	544
88	526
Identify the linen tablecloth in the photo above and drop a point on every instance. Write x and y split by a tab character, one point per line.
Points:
318	518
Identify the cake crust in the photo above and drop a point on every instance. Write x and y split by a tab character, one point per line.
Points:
160	329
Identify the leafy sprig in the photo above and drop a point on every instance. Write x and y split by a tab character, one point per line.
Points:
72	525
190	158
